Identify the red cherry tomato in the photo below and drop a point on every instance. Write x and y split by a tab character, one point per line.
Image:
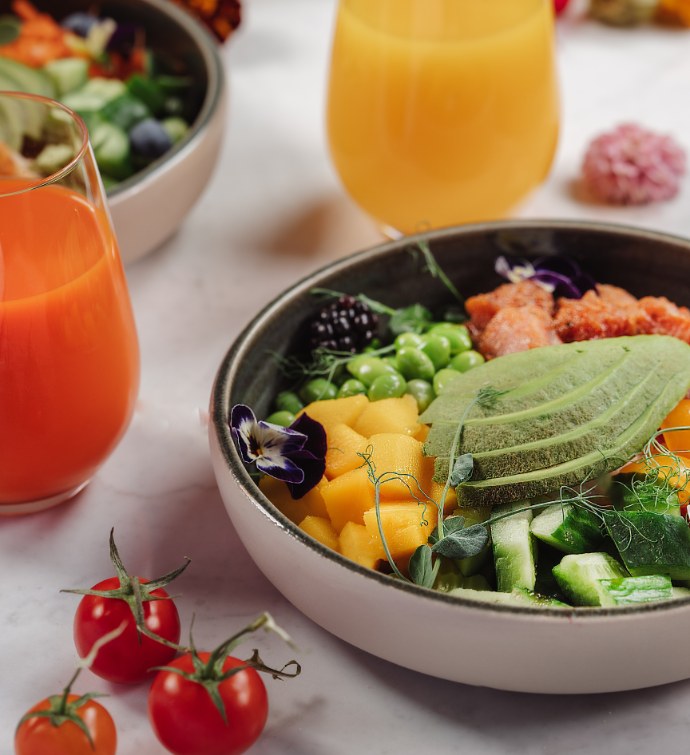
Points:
39	736
559	5
186	720
129	657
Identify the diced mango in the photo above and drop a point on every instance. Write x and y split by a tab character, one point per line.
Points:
436	491
344	447
357	544
347	497
389	415
405	526
322	530
401	455
279	495
336	411
422	433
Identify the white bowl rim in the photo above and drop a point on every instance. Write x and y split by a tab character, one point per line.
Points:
229	367
213	98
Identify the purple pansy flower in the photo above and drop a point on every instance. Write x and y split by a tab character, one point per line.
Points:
560	276
295	454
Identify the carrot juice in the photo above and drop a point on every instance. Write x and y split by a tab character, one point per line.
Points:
69	362
442	111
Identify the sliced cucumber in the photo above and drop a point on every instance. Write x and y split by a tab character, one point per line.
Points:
568	528
518	597
30	115
11	124
626	591
67	74
513	548
32	80
111	149
53	157
650	543
579	576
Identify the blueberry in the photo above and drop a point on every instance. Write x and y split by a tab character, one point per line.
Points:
79	23
149	139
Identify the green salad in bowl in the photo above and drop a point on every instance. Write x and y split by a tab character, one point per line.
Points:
491	439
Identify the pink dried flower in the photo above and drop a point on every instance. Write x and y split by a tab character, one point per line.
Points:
631	165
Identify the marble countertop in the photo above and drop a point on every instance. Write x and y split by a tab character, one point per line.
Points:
273	212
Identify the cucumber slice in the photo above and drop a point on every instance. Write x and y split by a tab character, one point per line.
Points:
518	597
627	591
650	543
32	80
53	157
11	124
568	528
111	150
67	74
30	115
513	548
580	577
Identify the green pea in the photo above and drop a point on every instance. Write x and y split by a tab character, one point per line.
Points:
408	339
351	387
317	389
387	386
422	391
442	378
414	363
288	401
466	361
458	335
437	347
366	369
282	418
392	362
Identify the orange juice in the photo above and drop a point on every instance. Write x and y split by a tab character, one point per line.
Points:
442	111
69	362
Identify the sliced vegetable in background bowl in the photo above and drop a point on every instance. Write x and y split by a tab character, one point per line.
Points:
136	102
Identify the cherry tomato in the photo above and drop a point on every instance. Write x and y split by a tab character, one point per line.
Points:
129	657
559	6
39	736
186	720
679	440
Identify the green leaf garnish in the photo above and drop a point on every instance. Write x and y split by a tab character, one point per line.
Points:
463	542
462	469
422	569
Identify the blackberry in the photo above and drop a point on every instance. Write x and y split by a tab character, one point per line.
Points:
343	325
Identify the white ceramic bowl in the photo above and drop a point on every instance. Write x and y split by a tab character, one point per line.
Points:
149	207
506	647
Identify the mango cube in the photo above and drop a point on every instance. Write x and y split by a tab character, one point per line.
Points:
336	411
357	544
344	447
410	471
405	527
347	497
389	415
279	495
322	530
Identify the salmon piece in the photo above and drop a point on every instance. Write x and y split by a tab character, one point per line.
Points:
595	316
483	307
667	318
615	295
517	329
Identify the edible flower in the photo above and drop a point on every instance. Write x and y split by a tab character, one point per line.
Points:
560	276
294	454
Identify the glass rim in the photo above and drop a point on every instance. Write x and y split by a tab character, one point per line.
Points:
41	181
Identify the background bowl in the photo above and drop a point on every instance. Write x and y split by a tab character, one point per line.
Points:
506	647
149	206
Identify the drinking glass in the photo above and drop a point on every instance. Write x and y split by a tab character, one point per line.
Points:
69	358
442	111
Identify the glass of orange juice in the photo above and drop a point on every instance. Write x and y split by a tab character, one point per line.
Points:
442	111
69	359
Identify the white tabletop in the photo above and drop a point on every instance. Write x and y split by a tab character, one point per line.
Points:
273	212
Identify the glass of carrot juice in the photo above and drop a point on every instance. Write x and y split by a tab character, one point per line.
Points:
442	111
69	359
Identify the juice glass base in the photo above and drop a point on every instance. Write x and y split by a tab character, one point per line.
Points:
33	507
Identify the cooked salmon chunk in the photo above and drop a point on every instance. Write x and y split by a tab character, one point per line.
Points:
483	307
517	329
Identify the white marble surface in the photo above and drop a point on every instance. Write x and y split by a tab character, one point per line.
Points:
273	212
